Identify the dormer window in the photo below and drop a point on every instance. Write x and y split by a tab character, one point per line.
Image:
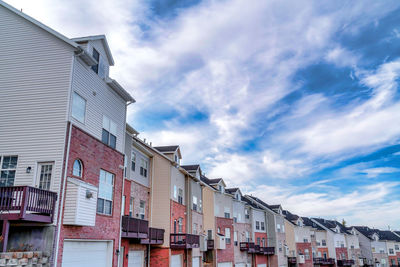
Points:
96	56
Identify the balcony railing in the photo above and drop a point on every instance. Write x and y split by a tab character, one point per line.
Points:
292	260
156	237
134	228
247	246
27	203
269	250
210	244
184	241
323	261
345	262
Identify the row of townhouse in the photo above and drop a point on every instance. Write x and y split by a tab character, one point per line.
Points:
78	187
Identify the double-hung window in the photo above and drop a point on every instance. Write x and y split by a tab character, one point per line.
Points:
227	212
109	133
143	167
257	225
194	203
45	173
78	107
142	209
228	235
8	167
323	242
105	197
131	206
262	226
133	161
180	196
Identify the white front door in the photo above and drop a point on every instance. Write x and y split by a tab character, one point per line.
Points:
196	262
136	258
176	261
87	254
261	265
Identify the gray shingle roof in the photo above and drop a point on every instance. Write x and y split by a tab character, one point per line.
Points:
166	148
191	167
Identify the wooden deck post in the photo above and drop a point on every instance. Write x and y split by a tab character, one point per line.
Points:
4	234
24	203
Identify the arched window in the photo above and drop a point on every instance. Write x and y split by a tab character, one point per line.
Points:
77	171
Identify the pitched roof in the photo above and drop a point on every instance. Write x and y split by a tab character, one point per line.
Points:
208	181
388	235
191	167
103	39
365	231
251	202
231	190
331	224
271	207
308	222
215	181
290	216
166	148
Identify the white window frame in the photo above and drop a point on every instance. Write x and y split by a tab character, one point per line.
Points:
144	166
80	166
194	204
111	128
228	235
39	173
75	116
112	192
133	161
8	169
142	209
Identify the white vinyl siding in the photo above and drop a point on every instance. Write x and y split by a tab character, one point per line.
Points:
35	78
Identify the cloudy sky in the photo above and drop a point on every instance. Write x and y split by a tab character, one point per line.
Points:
296	102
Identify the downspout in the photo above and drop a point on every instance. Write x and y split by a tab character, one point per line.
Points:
151	205
63	189
62	195
123	188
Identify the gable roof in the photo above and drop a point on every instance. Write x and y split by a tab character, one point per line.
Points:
191	167
251	202
166	149
365	231
39	24
273	208
388	236
290	216
308	222
331	224
103	39
231	190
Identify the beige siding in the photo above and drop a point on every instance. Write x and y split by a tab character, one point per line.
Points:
290	238
208	210
161	209
35	79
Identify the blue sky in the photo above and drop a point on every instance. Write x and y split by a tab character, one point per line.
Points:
296	102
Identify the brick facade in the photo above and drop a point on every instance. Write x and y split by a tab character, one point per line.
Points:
301	247
225	255
140	193
95	156
340	252
323	250
260	259
177	211
159	257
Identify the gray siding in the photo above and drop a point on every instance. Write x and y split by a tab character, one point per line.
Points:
35	77
195	190
135	175
178	180
100	100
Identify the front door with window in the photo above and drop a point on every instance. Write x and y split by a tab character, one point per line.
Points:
45	173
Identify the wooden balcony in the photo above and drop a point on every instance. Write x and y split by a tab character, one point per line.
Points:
247	246
156	237
345	262
27	203
268	250
210	244
134	228
184	241
323	261
292	260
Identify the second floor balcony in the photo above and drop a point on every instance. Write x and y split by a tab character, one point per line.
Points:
248	246
323	261
134	228
156	237
184	241
268	250
292	260
345	262
26	203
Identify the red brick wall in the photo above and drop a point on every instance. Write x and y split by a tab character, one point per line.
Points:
177	211
260	259
140	193
339	252
129	247
323	250
95	156
392	258
225	255
127	193
159	257
300	249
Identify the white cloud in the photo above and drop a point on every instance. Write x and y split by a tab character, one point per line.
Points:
374	172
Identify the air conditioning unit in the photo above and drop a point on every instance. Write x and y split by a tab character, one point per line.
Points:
203	243
302	259
221	244
286	251
361	262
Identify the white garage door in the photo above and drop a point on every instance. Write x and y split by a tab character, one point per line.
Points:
176	261
136	258
225	264
196	262
240	265
87	254
261	265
